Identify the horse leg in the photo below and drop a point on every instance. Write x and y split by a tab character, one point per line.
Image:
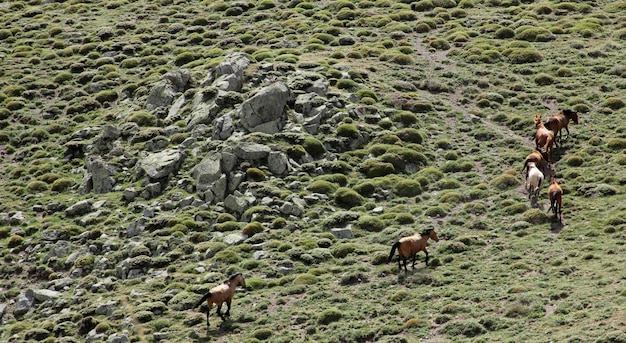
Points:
426	251
404	259
566	130
414	259
228	307
219	311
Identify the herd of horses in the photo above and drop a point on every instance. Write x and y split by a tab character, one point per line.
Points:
536	164
539	162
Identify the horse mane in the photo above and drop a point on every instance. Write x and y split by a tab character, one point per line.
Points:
233	276
426	232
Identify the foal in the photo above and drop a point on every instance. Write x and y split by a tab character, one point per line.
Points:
220	294
411	245
555	193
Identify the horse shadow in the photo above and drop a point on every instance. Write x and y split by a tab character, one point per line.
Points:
534	203
224	329
556	226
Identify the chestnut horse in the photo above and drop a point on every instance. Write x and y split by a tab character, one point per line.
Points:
555	193
220	294
544	138
535	180
559	121
536	157
411	245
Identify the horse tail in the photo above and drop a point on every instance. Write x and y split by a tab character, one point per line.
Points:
203	299
393	251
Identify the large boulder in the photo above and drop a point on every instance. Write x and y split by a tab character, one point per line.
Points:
265	111
160	164
232	66
208	171
250	151
163	93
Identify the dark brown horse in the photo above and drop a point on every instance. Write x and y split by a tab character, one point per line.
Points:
220	294
411	245
559	121
544	138
555	193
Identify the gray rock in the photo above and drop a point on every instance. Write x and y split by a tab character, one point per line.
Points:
223	127
207	171
42	295
235	203
118	338
161	164
233	64
24	303
17	218
151	190
250	151
265	111
278	162
59	250
78	208
129	194
234	238
342	233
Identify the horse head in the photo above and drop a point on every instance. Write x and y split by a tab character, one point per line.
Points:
537	120
431	234
237	279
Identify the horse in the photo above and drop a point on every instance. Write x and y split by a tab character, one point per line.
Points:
534	181
220	294
544	138
538	157
411	245
555	193
559	121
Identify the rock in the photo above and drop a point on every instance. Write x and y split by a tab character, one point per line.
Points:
118	338
235	203
265	111
250	151
203	108
278	162
84	221
163	93
130	194
161	164
234	64
234	238
17	218
223	127
151	190
342	232
59	250
207	171
42	295
107	308
81	207
24	303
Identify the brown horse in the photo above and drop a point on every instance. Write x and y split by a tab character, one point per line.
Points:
555	193
559	121
411	245
220	294
538	158
544	138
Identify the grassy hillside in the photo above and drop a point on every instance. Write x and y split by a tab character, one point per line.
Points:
455	85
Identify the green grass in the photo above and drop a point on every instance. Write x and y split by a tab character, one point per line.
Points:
441	111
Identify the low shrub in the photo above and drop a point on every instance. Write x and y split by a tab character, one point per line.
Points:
329	316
